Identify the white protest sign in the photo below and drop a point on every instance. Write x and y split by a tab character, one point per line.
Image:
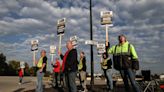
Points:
91	42
22	64
74	40
101	48
106	18
34	48
60	30
52	49
61	26
34	45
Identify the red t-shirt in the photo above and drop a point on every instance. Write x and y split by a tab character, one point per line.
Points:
64	60
57	66
20	73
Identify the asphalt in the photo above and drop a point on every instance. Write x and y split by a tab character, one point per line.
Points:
10	84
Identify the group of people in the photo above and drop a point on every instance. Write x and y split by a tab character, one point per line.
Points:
70	66
125	60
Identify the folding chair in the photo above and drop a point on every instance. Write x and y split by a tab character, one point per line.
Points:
149	83
161	84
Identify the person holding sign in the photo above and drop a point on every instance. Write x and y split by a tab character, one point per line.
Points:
41	65
69	66
106	65
20	75
125	60
82	71
56	71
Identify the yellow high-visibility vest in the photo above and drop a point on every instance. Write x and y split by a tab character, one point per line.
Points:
40	62
80	66
104	63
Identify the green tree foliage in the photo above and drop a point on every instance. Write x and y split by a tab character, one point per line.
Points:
3	65
14	67
11	68
27	70
33	71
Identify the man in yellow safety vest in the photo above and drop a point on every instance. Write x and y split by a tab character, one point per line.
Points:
41	65
125	60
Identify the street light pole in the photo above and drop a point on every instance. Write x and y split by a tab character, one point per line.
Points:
91	38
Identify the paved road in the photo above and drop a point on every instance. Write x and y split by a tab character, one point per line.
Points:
10	84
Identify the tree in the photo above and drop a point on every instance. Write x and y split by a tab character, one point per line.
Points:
3	65
26	70
13	67
33	70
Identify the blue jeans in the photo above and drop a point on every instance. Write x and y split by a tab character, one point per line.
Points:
108	76
20	79
129	74
70	81
39	87
55	79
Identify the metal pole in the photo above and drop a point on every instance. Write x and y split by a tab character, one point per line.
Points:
34	60
52	58
106	28
60	37
107	40
91	38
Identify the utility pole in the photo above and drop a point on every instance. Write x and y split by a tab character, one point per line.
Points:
91	38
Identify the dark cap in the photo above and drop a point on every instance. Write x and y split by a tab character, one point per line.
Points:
122	35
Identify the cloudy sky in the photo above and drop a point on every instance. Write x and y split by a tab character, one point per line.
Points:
142	21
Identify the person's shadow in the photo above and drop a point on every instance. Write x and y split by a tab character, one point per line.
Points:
26	82
19	90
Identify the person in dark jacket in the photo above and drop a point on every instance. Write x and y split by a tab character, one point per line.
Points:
106	65
125	60
82	71
69	66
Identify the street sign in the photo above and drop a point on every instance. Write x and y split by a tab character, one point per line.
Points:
106	18
61	26
34	45
22	64
74	40
101	48
52	49
91	42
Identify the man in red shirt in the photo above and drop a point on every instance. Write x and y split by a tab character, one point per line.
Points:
56	71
